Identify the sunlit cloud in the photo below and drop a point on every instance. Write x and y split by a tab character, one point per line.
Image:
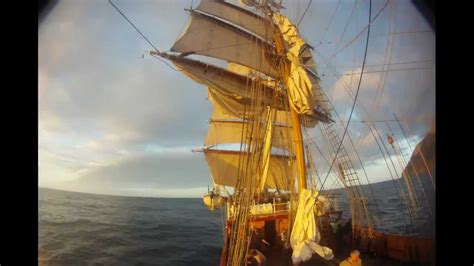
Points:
114	122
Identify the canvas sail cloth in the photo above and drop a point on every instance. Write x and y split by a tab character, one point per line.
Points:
274	171
208	36
231	106
230	84
224	167
231	117
267	149
238	16
236	132
303	83
305	236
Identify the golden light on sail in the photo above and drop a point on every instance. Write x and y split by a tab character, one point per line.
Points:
251	93
224	166
228	132
299	85
269	90
227	82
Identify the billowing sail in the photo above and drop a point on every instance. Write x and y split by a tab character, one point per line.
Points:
224	166
211	37
229	107
228	132
235	108
228	83
239	16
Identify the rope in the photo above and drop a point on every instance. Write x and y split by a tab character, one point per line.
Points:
143	36
383	78
366	27
357	92
347	24
135	27
304	13
331	19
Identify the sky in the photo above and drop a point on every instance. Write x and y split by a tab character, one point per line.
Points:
114	120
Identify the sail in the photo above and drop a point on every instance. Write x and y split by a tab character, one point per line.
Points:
299	86
229	83
228	107
238	16
234	131
305	235
303	86
209	36
224	166
267	149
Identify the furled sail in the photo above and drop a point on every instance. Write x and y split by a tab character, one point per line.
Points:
211	37
239	16
304	91
224	166
305	235
267	149
299	86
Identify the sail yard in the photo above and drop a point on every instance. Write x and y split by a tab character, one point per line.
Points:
264	102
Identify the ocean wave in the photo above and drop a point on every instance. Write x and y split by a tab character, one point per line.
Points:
103	230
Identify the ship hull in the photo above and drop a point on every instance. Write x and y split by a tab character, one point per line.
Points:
376	248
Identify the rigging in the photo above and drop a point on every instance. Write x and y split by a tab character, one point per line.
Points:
356	94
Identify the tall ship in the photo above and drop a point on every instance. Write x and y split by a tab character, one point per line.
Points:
263	84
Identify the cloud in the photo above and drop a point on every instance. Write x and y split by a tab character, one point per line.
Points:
113	122
159	171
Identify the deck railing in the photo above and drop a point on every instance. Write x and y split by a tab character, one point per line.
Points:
262	209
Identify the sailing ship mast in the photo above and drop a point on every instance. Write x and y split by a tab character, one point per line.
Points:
263	98
295	118
252	38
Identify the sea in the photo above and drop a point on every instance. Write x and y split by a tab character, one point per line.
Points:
89	229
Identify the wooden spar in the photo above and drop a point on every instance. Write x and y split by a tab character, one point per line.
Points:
295	118
299	152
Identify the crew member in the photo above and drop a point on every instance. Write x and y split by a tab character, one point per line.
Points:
353	259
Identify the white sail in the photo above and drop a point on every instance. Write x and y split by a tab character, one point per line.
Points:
208	36
239	16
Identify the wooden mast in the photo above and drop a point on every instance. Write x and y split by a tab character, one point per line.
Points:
295	118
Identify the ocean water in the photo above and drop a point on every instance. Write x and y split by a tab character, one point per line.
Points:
88	229
390	214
